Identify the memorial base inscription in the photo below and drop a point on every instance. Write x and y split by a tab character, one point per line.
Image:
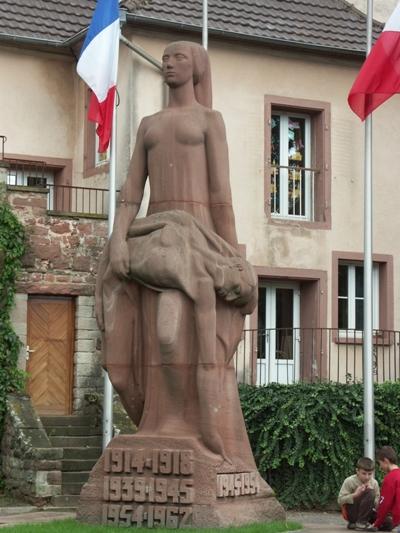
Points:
172	482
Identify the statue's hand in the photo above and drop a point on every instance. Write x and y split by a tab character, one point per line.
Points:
119	257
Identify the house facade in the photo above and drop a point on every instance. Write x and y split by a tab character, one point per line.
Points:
281	74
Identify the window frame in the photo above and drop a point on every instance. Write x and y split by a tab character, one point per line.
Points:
384	263
98	160
320	115
352	296
313	286
92	165
284	161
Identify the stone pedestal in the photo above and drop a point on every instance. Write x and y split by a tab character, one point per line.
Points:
172	482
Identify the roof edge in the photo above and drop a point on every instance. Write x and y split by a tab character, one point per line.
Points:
150	21
38	41
363	15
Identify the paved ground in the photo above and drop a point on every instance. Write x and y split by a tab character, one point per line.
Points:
21	515
312	521
319	521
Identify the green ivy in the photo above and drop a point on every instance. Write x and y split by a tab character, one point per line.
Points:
306	438
12	247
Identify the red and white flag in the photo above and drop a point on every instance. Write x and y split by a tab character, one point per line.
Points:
379	77
98	66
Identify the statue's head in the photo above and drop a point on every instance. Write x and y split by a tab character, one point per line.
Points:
239	283
184	60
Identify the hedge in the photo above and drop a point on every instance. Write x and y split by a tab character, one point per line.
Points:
306	438
12	246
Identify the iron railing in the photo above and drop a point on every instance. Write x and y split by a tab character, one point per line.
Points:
66	199
290	355
3	140
77	200
23	172
292	191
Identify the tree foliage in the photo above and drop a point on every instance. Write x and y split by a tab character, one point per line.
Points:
306	438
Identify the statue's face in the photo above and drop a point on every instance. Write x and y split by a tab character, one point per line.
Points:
237	285
177	65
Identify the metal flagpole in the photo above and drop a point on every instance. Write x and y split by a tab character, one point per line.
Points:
369	430
205	24
108	389
112	192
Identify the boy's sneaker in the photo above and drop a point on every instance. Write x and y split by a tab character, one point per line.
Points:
365	526
351	525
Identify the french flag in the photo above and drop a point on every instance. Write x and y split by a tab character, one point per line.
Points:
379	77
98	66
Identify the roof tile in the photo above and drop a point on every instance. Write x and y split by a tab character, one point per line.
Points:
329	23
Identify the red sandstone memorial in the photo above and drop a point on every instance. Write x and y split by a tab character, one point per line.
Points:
171	296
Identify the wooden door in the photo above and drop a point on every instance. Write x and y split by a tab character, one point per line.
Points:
50	343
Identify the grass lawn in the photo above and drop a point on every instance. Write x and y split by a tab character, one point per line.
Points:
71	526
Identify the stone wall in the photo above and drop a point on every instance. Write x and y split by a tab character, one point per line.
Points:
61	259
31	466
19	320
87	369
63	253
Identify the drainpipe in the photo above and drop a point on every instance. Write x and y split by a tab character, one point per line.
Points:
150	59
141	52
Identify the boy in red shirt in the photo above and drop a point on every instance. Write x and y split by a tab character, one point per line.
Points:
388	515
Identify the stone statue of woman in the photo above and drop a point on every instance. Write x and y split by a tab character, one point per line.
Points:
170	327
171	296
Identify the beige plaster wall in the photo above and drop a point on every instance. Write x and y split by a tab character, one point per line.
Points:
37	103
242	75
48	119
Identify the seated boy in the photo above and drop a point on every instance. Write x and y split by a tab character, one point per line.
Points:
388	515
359	495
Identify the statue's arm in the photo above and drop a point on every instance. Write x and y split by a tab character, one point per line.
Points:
218	169
129	202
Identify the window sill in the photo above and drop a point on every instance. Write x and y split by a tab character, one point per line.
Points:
381	339
298	222
104	168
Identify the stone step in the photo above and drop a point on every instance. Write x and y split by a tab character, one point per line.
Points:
19	509
72	431
74	477
82	453
76	442
70	420
78	465
70	500
71	489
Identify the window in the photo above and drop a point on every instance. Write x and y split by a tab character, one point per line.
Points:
95	162
278	327
348	294
100	157
34	181
291	176
297	153
351	296
50	173
285	338
30	173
